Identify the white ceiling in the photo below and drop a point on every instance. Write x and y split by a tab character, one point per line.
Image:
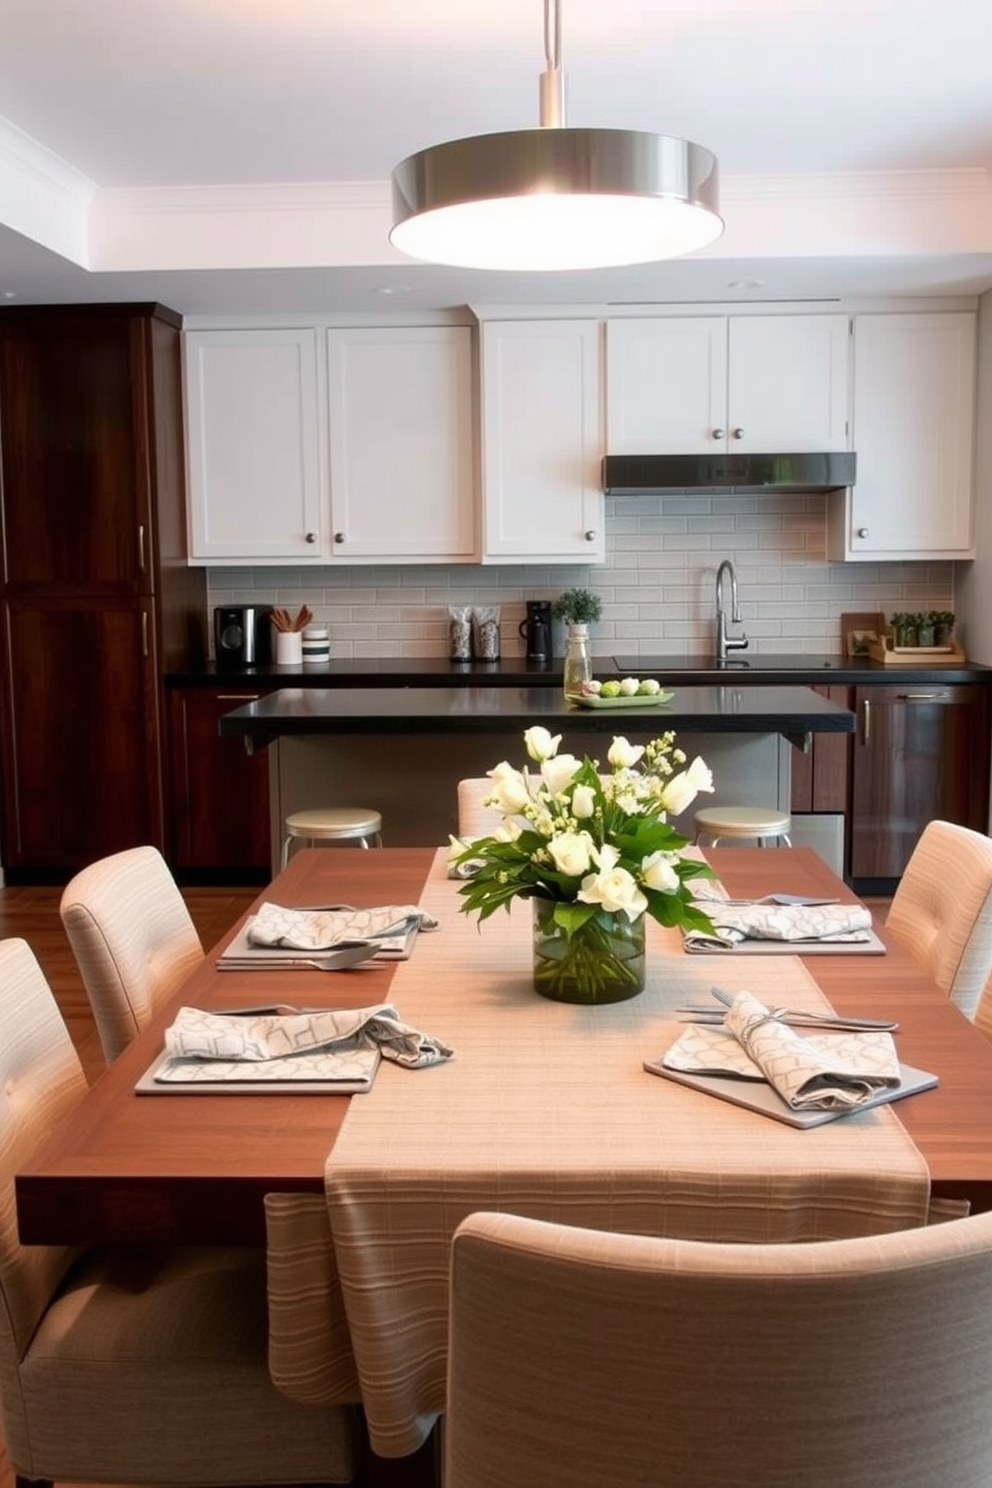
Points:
229	156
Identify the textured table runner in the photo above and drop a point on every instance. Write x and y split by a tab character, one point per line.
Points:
545	1110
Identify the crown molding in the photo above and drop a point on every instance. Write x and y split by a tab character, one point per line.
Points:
44	198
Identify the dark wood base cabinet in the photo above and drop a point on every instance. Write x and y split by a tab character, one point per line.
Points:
219	813
921	752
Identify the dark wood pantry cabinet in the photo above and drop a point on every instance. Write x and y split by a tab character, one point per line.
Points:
96	598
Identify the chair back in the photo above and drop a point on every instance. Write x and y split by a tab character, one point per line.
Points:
598	1359
474	819
41	1079
942	910
133	940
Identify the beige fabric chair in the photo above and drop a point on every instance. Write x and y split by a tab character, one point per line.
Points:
474	819
942	910
133	940
131	1367
595	1360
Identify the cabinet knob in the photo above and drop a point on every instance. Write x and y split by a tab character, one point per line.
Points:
719	433
339	537
590	535
311	537
737	433
862	531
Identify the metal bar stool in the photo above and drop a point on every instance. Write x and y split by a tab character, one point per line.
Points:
334	824
761	822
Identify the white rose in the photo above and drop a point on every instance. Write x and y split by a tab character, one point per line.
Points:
613	888
571	852
507	831
623	755
629	686
683	789
583	801
658	873
509	793
559	772
540	743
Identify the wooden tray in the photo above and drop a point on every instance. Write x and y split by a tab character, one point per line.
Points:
883	650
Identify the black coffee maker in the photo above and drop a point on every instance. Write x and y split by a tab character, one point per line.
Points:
536	629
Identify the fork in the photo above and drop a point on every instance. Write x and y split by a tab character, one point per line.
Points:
334	961
798	1016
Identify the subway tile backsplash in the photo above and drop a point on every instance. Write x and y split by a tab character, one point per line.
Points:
657	584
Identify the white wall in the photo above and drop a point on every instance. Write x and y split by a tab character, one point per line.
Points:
974	580
657	584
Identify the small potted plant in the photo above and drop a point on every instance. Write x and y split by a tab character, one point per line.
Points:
943	627
578	608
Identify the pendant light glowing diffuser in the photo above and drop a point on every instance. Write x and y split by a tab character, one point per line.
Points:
556	198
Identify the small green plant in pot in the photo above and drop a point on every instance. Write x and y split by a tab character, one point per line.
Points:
578	608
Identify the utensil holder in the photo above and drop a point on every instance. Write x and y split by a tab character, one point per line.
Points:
289	648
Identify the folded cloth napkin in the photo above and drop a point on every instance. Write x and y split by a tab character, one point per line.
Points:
788	922
196	1034
819	1072
320	929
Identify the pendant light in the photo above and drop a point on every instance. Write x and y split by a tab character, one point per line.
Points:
553	197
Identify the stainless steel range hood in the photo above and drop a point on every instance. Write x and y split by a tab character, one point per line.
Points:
642	475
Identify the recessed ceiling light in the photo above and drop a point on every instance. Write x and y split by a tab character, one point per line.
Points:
746	284
391	289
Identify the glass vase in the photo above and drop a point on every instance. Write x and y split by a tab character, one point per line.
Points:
601	962
578	667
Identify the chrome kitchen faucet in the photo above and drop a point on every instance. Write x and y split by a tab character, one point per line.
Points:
725	643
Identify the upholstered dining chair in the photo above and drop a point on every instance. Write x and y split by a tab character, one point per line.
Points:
942	910
132	937
474	819
598	1359
131	1367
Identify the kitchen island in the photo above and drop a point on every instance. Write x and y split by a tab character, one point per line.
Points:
402	750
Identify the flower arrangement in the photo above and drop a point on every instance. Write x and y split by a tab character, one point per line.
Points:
595	852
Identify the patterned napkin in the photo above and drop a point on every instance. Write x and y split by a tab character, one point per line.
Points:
389	925
821	1072
199	1035
782	922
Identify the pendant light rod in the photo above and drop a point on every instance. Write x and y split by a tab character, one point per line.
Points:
553	80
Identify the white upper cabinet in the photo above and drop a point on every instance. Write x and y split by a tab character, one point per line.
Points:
401	443
253	453
542	443
318	445
680	385
914	429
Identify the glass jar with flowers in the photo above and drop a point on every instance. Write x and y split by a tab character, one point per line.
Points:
595	853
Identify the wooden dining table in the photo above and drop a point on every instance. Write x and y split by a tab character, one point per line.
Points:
130	1168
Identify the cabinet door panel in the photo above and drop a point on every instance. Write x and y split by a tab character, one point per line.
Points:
401	445
542	441
220	794
914	410
788	382
921	752
77	509
252	411
666	385
81	776
820	777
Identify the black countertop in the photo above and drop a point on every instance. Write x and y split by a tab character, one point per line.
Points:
381	671
794	711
